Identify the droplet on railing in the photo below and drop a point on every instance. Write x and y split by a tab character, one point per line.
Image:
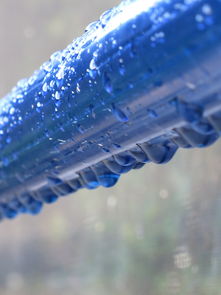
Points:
57	95
45	87
107	84
119	114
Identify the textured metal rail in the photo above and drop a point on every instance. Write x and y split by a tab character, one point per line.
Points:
141	82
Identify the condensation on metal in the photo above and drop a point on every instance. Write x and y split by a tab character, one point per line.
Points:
141	82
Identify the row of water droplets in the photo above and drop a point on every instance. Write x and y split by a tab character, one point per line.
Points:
56	75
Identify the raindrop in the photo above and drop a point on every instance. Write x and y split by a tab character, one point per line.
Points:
119	114
105	17
116	145
151	113
39	104
121	67
8	139
60	73
206	9
92	26
199	18
80	128
108	179
52	83
92	74
105	150
114	42
57	95
191	86
12	111
92	64
92	111
107	84
45	87
78	89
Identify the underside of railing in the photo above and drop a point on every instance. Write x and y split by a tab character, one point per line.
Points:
141	82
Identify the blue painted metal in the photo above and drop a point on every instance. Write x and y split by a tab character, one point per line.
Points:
140	83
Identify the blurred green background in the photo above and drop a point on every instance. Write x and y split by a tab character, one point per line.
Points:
157	232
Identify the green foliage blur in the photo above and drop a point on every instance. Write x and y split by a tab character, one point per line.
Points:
157	232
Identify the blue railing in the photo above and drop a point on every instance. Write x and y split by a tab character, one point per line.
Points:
140	83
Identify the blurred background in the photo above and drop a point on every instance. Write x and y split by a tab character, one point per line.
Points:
157	232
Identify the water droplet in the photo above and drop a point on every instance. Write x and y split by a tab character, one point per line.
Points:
151	113
206	9
108	179
107	84
8	139
39	104
80	128
116	145
199	18
92	111
12	111
189	111
191	85
45	87
78	89
121	67
60	73
92	64
52	83
35	208
8	212
50	199
119	114
92	26
57	95
114	42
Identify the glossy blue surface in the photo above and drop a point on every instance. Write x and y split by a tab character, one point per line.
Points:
140	83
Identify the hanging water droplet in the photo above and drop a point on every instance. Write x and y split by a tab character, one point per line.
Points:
108	179
119	114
